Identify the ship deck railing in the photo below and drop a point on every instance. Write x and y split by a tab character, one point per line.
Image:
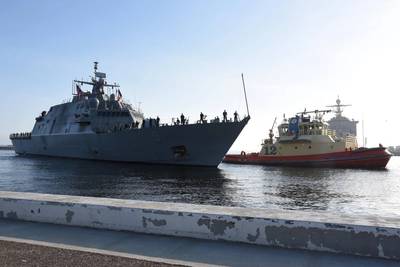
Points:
153	124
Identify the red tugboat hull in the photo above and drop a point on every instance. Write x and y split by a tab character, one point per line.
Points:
362	158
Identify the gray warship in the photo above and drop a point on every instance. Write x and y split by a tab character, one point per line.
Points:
100	125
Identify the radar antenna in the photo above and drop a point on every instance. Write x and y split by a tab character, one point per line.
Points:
98	84
95	67
338	107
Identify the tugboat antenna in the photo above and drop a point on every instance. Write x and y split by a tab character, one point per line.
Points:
314	111
245	96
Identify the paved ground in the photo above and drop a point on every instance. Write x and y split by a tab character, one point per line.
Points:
173	250
21	254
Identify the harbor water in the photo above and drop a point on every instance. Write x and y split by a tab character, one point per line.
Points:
340	191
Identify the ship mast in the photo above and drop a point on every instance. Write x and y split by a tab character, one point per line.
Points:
95	68
338	107
97	84
245	96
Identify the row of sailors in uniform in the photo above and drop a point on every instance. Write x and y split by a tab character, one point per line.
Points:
149	123
216	119
203	119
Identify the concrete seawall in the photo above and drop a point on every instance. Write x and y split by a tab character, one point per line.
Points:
364	236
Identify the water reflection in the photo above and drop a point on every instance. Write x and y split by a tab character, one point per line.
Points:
306	188
336	190
126	180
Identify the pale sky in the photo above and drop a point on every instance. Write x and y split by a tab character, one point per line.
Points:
187	56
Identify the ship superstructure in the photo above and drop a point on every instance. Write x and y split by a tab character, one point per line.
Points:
90	111
342	125
99	124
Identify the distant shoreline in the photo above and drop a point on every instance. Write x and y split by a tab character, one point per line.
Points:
9	147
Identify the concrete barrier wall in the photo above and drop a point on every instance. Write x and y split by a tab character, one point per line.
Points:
363	236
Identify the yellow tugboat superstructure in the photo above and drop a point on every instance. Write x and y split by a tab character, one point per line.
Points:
305	134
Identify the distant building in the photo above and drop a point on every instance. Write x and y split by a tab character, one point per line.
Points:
394	150
6	147
341	124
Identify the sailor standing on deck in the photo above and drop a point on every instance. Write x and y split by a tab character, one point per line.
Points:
201	117
225	114
182	119
235	116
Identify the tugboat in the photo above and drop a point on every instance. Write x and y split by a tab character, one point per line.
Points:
100	125
307	141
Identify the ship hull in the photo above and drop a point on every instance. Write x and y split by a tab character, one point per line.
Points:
366	158
193	144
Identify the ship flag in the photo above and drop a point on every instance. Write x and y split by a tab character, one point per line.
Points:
294	125
79	91
119	95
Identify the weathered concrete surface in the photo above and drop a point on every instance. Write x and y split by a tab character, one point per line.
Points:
376	237
175	250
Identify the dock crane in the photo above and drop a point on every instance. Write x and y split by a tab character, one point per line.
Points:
271	132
